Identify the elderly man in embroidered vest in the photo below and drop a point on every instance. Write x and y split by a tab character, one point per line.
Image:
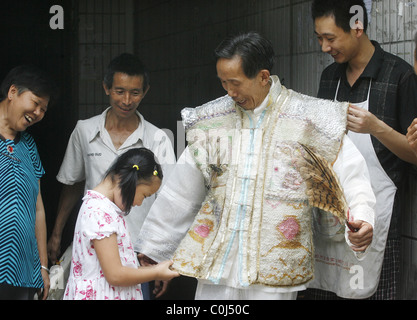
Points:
234	214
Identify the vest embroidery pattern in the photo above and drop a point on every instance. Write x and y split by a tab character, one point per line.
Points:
256	211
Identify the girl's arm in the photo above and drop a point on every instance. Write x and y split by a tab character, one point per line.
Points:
118	275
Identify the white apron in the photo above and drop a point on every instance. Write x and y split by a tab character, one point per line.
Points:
347	276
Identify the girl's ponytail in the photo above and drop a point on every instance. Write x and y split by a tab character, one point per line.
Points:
134	167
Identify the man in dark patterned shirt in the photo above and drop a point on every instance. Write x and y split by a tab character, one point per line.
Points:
382	90
412	130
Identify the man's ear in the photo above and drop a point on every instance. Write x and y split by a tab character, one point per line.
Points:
359	29
146	91
106	90
12	91
264	76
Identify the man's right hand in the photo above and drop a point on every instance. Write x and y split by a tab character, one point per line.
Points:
54	248
145	260
161	287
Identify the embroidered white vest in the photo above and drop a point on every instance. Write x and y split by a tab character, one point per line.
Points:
256	196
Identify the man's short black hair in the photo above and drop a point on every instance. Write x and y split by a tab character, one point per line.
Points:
128	64
256	52
340	10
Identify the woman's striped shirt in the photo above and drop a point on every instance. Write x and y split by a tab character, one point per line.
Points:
20	171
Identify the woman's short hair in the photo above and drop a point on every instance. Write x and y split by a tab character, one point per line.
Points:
29	78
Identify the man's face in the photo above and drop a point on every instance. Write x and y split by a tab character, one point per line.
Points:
247	93
126	94
342	46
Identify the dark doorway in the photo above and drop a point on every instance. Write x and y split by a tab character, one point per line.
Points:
27	38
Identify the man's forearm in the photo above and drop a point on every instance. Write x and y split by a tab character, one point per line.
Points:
69	196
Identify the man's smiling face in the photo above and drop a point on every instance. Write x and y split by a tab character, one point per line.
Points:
125	94
247	93
341	45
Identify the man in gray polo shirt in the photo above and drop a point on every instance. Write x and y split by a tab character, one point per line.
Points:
96	142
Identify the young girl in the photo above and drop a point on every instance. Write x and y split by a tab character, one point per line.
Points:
104	265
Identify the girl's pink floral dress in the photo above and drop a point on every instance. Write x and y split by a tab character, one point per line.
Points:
99	218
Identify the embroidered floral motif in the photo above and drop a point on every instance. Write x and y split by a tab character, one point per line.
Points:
285	181
292	180
207	208
202	230
211	207
289	228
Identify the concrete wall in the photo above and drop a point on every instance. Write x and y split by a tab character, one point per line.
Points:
105	30
176	40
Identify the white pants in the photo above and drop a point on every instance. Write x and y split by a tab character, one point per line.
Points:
219	292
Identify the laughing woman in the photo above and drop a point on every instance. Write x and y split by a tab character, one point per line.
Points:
24	97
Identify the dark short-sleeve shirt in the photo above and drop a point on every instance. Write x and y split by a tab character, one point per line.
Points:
393	99
20	171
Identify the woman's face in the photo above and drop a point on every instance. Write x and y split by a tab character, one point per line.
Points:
25	109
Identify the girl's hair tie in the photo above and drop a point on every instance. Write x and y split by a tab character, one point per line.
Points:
135	167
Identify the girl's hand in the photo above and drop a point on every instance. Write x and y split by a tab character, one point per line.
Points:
164	271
